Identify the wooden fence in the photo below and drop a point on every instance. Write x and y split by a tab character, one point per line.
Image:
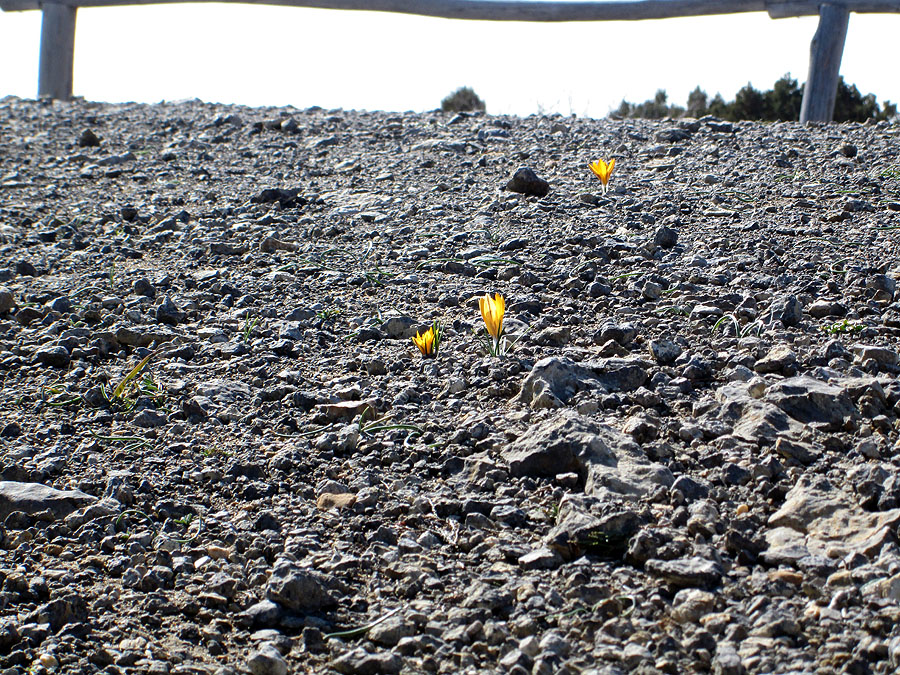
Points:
58	27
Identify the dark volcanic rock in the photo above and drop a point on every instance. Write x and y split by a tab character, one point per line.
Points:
527	182
297	589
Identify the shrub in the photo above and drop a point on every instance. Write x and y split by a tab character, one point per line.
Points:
782	102
463	99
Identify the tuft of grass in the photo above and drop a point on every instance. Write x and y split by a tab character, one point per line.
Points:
626	275
738	331
842	327
57	395
119	391
503	346
132	442
215	451
380	425
249	325
328	314
133	386
361	630
723	322
185	522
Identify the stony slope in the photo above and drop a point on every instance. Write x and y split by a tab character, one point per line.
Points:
687	462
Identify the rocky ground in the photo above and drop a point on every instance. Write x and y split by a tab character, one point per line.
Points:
687	461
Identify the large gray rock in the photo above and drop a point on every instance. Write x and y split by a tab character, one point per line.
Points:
142	336
779	359
819	518
763	422
7	301
389	632
727	660
664	352
223	391
262	613
686	572
611	465
883	356
809	400
690	605
34	497
53	356
267	660
788	310
755	421
296	588
398	327
361	662
169	313
554	380
586	525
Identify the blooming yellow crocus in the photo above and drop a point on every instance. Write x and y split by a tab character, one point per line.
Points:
492	312
426	343
603	171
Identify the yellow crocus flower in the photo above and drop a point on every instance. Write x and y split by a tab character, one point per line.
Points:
603	171
492	312
426	343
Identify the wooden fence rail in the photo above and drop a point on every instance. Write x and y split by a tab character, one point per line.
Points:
58	27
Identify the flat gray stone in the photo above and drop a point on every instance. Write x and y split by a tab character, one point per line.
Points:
824	520
361	662
778	358
399	327
822	308
554	380
883	356
223	391
686	572
142	336
34	497
610	463
809	400
543	558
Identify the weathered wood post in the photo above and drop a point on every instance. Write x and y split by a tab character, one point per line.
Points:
57	51
825	53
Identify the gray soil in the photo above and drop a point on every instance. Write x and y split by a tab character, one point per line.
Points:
687	460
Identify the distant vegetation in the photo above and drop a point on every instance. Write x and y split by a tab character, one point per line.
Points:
781	102
463	99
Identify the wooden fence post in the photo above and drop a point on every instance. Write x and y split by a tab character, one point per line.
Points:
825	53
57	51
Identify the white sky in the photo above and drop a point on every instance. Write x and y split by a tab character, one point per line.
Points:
259	55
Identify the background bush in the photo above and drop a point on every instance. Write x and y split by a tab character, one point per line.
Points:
780	103
463	99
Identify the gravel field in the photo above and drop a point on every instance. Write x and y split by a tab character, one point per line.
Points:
221	451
